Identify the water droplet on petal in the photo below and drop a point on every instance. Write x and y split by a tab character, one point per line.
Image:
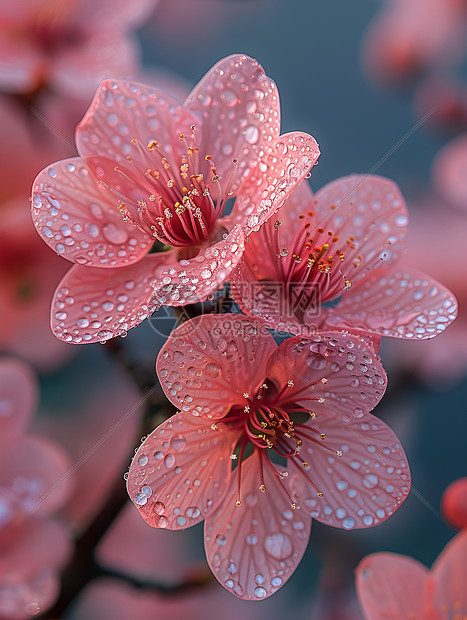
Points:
278	546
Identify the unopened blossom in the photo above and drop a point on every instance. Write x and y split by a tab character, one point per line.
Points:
335	260
33	545
392	586
248	403
454	504
67	45
152	170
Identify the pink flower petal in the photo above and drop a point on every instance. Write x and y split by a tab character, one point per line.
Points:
77	216
396	301
365	485
266	301
209	362
189	281
449	576
79	70
92	305
18	397
354	380
33	478
180	473
370	212
283	166
236	88
19	66
30	547
121	111
113	15
254	548
19	601
391	586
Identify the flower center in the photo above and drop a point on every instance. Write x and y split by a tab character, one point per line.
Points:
178	203
269	421
311	267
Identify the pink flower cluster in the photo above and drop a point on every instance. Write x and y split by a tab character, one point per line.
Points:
165	204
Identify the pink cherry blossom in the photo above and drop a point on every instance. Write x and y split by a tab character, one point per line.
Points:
343	246
454	504
450	172
392	586
156	170
410	36
308	401
69	45
33	546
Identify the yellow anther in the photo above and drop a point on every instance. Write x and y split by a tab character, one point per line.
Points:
320	494
262	488
152	145
305	464
238	503
323	435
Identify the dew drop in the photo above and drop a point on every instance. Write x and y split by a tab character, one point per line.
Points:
278	546
159	508
260	592
141	499
169	460
213	370
162	521
370	481
348	523
114	234
177	443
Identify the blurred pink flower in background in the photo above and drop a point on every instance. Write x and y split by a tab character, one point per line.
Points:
392	586
450	172
409	37
110	600
28	274
442	362
442	102
33	486
250	394
344	245
68	45
454	504
223	142
99	434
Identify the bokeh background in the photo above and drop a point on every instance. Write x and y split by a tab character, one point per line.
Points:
366	118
